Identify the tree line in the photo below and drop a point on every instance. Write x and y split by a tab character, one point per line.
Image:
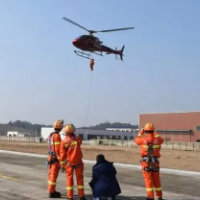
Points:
105	125
27	125
37	127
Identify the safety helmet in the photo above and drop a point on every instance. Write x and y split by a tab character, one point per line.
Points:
149	127
69	129
58	124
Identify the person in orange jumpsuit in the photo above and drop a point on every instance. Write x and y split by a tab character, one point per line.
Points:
53	161
150	146
92	64
71	160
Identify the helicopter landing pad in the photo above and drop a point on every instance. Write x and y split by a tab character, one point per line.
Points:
25	178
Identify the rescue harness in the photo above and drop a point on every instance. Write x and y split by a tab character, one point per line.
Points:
53	158
150	159
73	166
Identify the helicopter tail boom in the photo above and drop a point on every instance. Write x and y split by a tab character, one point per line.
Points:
117	52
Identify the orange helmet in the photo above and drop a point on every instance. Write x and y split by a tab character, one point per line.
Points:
69	129
149	127
58	124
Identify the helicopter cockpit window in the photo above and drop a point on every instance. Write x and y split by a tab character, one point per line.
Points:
82	37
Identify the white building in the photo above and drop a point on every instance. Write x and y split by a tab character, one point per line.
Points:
45	131
12	133
122	129
17	134
87	134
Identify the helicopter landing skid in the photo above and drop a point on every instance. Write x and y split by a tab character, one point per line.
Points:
86	55
82	54
99	54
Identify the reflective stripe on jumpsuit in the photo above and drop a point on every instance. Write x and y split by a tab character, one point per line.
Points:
79	178
71	159
151	175
150	152
54	165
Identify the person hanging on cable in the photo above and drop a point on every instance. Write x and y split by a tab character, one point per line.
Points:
92	64
71	160
54	141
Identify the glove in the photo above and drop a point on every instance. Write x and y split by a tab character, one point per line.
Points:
141	132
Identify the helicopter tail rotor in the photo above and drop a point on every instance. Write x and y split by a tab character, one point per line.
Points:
121	53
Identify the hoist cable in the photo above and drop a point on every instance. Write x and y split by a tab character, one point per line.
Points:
89	100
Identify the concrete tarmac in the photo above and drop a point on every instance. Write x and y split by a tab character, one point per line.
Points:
25	178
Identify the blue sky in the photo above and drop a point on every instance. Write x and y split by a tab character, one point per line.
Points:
42	79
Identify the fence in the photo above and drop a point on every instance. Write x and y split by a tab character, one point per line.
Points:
185	146
20	139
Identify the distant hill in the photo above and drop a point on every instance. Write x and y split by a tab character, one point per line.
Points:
34	129
22	126
27	125
4	128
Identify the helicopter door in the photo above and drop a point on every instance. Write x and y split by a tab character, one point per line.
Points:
90	41
97	43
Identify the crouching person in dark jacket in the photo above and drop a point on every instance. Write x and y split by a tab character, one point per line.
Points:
104	183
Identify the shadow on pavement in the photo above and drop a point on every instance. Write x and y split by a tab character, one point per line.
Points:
121	197
143	198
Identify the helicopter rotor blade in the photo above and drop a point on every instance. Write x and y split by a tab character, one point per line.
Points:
118	29
69	20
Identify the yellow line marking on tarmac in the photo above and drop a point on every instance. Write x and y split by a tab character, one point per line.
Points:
7	177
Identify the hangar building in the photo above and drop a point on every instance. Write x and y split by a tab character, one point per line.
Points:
181	127
88	134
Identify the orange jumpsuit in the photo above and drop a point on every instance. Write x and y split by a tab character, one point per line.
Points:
71	158
150	152
92	64
55	167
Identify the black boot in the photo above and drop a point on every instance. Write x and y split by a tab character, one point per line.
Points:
160	198
55	195
70	198
150	199
83	198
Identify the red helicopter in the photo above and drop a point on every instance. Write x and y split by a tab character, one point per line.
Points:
93	44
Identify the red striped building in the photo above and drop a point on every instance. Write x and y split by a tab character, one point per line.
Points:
182	127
